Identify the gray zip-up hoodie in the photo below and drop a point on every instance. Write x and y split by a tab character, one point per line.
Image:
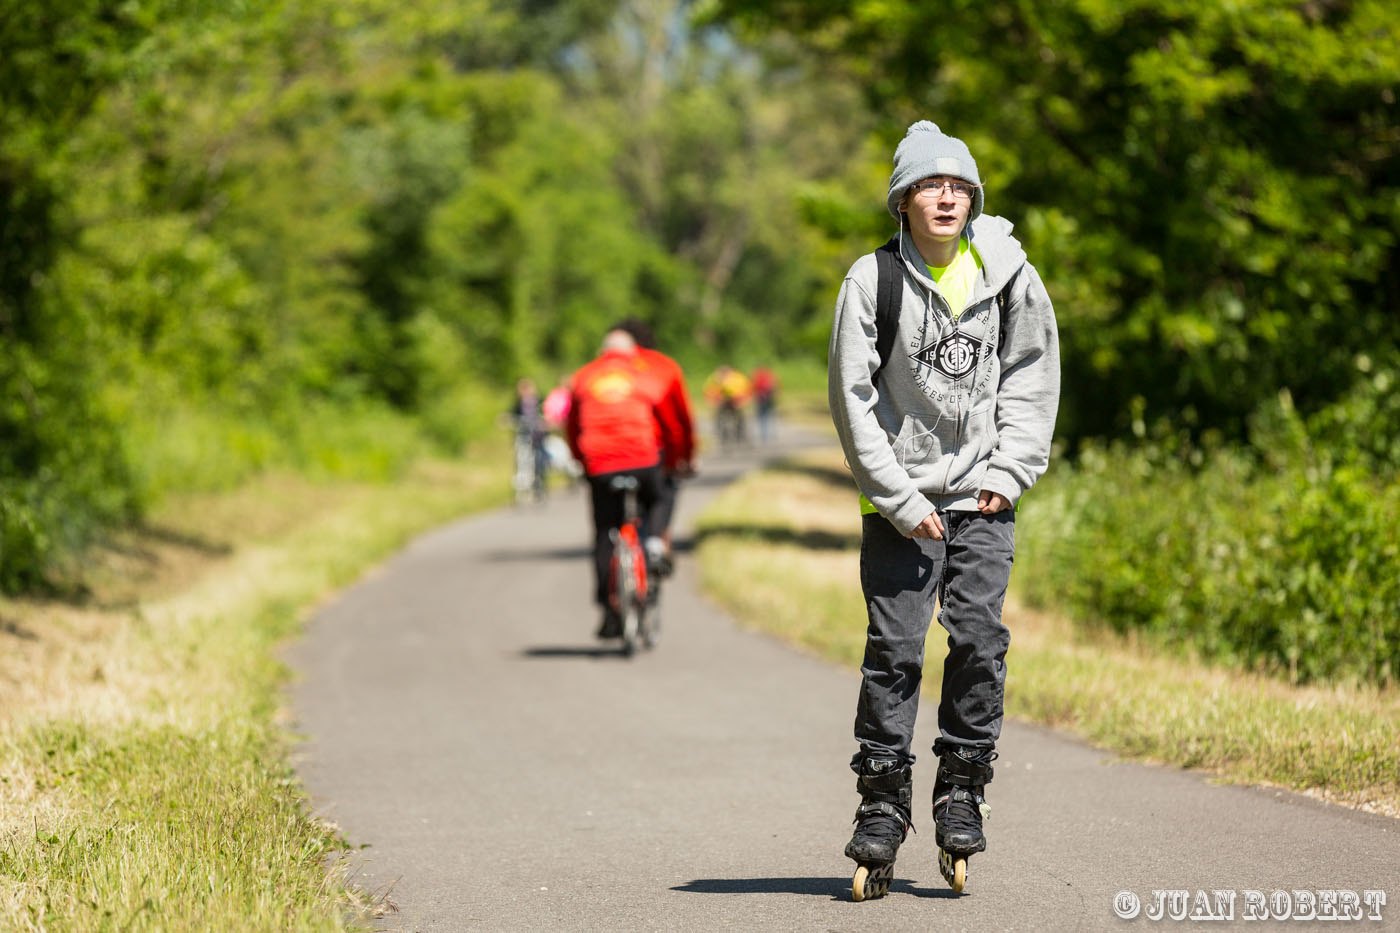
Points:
959	407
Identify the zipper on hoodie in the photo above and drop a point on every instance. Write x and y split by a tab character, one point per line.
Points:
935	294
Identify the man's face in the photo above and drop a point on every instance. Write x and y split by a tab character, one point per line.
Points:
935	210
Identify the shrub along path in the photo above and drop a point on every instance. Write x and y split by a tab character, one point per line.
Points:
505	771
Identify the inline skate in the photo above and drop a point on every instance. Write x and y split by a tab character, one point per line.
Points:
959	807
882	822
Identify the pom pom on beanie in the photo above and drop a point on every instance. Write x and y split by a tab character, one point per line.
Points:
926	150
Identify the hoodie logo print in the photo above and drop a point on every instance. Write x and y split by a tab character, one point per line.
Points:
954	356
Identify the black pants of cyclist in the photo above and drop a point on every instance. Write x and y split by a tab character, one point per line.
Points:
608	514
659	518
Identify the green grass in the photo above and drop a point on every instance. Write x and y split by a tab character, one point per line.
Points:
163	827
780	549
144	776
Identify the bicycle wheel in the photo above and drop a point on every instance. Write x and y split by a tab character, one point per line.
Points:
651	614
524	479
651	626
627	596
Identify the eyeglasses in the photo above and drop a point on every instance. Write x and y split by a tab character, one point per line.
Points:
960	190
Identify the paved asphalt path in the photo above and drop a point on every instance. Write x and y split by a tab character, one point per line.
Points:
504	771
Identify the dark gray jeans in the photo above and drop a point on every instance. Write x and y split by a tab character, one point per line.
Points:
967	573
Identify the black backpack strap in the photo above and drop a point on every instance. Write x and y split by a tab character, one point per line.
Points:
889	294
1002	300
1004	314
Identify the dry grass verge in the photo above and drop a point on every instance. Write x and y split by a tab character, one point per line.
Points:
144	782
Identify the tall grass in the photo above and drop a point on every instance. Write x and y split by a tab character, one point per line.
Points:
154	448
184	450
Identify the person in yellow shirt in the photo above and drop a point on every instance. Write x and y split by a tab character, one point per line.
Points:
728	390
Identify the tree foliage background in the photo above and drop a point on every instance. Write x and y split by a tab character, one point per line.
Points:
321	234
1212	190
326	234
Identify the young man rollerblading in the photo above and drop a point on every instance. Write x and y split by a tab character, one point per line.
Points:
943	378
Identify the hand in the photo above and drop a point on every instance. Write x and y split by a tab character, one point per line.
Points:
684	469
931	527
990	503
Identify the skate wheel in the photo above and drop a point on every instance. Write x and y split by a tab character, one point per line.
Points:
954	869
871	882
858	884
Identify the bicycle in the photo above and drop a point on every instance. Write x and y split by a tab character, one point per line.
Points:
729	425
528	479
632	593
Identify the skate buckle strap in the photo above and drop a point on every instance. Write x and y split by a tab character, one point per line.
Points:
881	808
962	795
882	776
955	769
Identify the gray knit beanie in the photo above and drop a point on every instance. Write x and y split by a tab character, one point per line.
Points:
926	150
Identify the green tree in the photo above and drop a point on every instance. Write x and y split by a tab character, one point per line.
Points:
1211	191
221	225
722	148
58	476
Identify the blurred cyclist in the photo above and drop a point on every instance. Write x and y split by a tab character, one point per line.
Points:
664	381
728	390
616	427
765	392
530	459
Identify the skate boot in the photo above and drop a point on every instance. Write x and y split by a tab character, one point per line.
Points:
882	821
958	810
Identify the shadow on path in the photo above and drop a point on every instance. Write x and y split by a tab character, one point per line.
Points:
837	889
711	479
567	554
770	534
530	555
573	651
829	476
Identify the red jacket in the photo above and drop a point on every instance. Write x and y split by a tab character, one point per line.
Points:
664	382
615	421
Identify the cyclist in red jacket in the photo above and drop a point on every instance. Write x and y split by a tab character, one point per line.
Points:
665	382
617	426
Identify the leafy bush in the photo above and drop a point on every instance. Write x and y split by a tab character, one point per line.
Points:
1279	555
